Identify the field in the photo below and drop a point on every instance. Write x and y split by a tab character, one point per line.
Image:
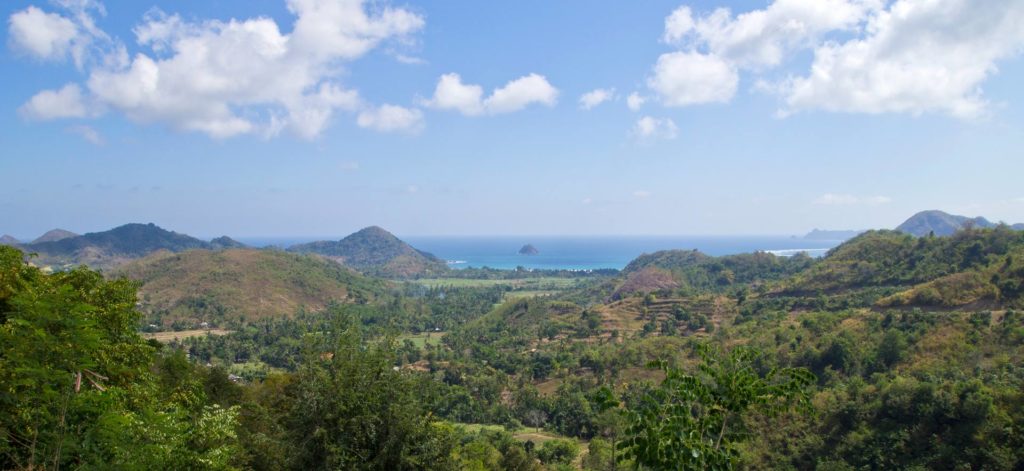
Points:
542	283
523	434
183	334
423	339
520	288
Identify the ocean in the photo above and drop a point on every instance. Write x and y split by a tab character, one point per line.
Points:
579	252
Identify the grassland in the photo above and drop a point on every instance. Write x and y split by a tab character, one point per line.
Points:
423	339
540	283
183	334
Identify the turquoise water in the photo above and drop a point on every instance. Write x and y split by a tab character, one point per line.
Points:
580	253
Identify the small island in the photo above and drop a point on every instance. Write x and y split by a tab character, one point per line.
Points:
528	249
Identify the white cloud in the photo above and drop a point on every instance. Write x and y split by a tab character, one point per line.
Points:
452	94
689	78
391	118
642	194
635	101
53	104
764	37
714	47
845	199
226	78
56	36
409	60
87	133
44	35
587	200
595	97
647	128
870	56
520	93
411	189
918	56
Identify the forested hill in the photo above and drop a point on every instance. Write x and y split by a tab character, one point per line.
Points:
972	266
109	248
691	269
376	251
197	286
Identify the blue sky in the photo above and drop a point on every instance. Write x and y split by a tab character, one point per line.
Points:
317	117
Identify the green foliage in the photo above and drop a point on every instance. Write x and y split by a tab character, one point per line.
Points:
558	451
694	421
76	387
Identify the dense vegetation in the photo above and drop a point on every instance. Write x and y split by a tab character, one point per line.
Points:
892	352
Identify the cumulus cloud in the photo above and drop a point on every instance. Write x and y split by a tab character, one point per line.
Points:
869	56
635	101
918	56
844	199
43	35
648	128
595	97
391	118
66	102
226	78
689	78
452	94
56	36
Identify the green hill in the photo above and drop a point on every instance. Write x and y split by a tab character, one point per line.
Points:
110	248
693	270
376	251
226	285
973	265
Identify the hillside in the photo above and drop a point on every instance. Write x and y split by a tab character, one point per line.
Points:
225	242
693	270
939	223
54	235
971	266
110	248
9	240
376	251
219	286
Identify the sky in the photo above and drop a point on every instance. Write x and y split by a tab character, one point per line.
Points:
319	117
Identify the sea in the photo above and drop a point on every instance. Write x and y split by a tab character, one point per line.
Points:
578	252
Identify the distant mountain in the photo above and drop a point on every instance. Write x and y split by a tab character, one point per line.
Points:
54	235
225	242
9	240
529	249
197	286
110	248
818	234
376	251
939	223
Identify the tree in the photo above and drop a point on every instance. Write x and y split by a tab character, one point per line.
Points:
692	422
76	389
